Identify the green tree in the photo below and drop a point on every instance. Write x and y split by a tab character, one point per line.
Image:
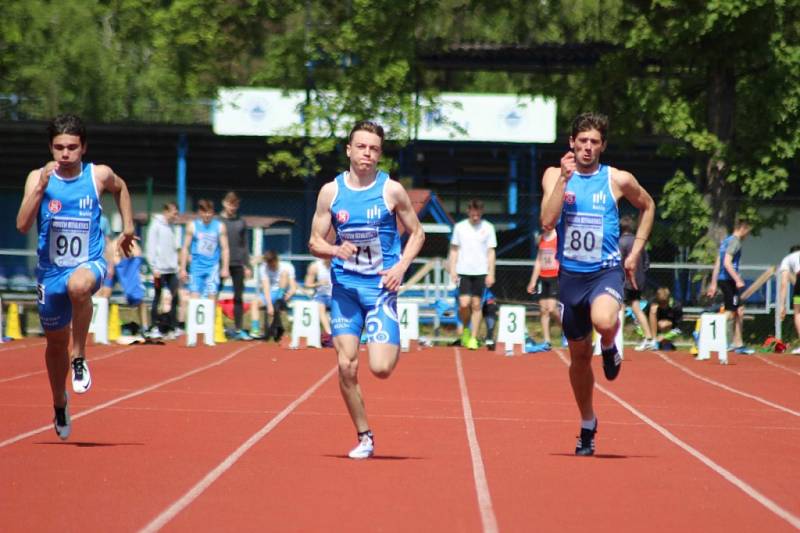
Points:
722	78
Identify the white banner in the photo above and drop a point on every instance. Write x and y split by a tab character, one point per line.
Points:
459	117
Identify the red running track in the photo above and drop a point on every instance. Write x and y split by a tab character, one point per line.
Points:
253	437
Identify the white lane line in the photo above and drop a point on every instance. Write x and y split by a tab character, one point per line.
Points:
729	476
20	346
773	363
478	471
91	359
184	501
128	396
726	387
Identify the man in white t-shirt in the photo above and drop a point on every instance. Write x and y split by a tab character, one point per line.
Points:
788	270
471	265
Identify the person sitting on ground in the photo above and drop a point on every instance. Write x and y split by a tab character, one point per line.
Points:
318	277
665	316
278	284
788	270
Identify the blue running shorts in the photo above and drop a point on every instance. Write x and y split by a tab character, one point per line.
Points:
55	307
372	308
577	291
204	282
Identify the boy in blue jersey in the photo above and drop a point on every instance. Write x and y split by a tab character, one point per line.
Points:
726	276
64	199
207	242
580	201
362	207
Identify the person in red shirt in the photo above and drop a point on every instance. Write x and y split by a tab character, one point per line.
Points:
544	282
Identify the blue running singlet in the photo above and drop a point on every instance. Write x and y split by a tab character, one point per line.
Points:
588	230
723	249
69	222
205	245
362	217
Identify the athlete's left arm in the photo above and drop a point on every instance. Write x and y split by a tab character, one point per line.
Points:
107	180
629	188
225	251
397	195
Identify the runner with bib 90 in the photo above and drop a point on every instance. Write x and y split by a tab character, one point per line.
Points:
580	200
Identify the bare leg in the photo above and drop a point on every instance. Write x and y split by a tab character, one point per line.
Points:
347	354
476	315
738	317
324	318
80	287
605	318
464	310
642	319
56	358
581	376
796	308
382	359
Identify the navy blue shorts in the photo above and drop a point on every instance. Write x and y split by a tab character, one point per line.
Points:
577	291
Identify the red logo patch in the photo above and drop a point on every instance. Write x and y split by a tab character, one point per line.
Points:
342	216
54	206
569	197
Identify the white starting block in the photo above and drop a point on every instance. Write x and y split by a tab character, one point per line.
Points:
618	338
305	323
713	337
200	320
408	317
511	327
99	324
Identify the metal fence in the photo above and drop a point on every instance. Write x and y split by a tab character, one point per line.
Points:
687	283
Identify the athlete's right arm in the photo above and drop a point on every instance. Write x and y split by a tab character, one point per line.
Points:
35	185
554	183
187	242
782	293
712	287
537	268
318	243
452	260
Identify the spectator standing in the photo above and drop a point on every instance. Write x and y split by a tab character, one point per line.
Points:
162	256
471	264
788	270
633	295
544	282
207	242
726	276
239	266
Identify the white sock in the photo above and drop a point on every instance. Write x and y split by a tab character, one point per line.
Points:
604	347
589	424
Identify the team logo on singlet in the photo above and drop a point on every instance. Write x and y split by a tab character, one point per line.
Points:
569	197
54	206
342	216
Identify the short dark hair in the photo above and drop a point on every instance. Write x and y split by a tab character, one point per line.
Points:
204	204
626	224
475	203
270	256
794	248
590	121
366	125
68	124
231	197
741	221
169	205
